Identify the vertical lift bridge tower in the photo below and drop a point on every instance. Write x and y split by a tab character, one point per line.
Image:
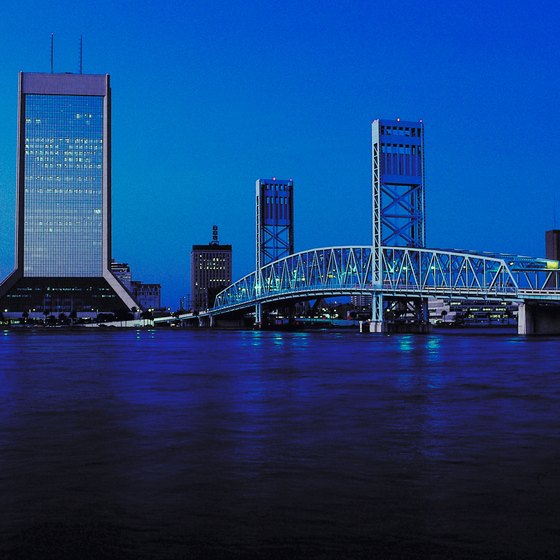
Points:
275	225
399	217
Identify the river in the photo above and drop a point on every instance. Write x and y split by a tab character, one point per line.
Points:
240	444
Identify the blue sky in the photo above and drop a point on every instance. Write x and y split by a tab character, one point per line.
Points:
210	96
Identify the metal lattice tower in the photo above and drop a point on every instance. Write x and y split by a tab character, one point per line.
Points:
398	183
275	220
399	217
275	226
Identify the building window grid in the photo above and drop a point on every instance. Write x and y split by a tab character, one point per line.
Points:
212	270
63	198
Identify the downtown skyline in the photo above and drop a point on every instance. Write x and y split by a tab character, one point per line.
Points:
207	100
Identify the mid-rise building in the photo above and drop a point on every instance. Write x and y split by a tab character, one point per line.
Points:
63	221
211	271
148	296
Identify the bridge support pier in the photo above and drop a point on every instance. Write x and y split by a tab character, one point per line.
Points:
206	321
377	327
258	315
377	323
406	316
538	319
421	311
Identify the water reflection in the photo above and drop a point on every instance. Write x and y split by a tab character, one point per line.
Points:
291	443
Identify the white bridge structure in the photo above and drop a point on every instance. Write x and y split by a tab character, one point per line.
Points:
397	269
408	273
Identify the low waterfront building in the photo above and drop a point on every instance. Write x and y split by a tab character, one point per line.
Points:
147	295
472	312
361	300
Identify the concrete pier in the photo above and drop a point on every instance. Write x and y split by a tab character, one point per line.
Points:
538	319
394	327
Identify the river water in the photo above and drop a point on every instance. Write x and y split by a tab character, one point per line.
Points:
239	444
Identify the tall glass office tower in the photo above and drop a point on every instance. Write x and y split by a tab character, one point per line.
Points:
63	222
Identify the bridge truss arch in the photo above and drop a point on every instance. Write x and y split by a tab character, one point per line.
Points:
406	272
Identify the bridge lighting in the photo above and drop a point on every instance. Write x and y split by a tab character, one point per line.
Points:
552	265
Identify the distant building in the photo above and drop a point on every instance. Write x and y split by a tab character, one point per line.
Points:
553	244
361	300
472	312
211	271
439	311
63	225
121	271
147	295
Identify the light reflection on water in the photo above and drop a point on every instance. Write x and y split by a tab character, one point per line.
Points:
156	443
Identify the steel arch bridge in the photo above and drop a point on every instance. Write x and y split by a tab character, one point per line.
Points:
405	272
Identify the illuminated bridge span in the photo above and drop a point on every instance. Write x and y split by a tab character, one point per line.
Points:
396	269
405	272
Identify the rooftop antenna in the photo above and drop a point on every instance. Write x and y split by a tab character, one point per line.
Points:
52	53
81	45
214	236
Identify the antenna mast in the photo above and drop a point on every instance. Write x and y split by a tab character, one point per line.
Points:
52	53
81	45
215	236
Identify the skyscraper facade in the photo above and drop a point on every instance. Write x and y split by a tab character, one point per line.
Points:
63	221
211	270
